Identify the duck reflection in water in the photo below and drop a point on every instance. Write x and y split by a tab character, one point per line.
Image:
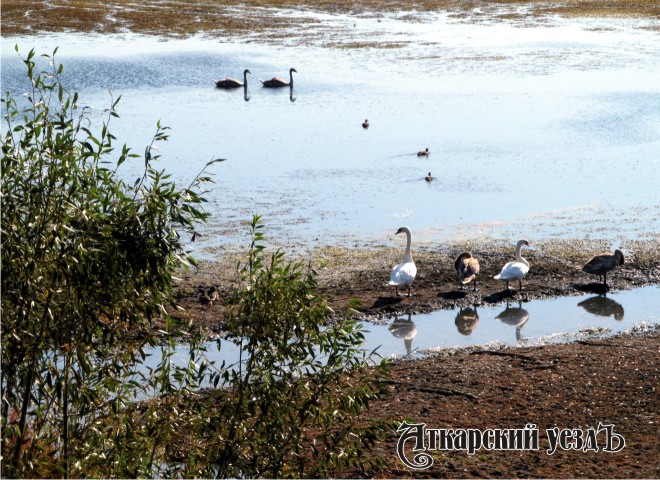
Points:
602	306
406	329
516	316
467	320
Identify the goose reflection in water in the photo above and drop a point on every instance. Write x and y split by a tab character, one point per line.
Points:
467	320
602	306
516	316
405	329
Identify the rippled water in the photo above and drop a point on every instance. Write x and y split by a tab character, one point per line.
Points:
546	130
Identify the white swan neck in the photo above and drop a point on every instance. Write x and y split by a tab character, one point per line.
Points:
408	256
518	256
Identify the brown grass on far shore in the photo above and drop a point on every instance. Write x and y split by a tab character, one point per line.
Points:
182	18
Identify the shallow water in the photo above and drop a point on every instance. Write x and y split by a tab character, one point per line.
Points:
546	130
536	322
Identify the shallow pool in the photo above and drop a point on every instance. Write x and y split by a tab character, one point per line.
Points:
536	322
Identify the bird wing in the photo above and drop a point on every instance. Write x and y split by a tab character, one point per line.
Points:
403	274
512	271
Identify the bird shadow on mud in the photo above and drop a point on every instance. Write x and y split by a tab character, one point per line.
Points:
500	296
384	302
453	295
591	287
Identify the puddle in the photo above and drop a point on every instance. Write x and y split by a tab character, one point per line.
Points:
518	323
515	324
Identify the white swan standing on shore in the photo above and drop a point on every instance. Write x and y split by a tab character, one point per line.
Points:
515	270
404	273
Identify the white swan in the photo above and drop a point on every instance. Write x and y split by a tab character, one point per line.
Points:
515	270
404	273
231	82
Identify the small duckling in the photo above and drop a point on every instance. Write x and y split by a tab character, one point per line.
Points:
428	178
365	124
213	294
423	153
204	299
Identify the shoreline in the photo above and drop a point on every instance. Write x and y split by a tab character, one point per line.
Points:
354	280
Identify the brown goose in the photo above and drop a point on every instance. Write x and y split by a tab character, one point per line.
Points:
279	82
423	153
603	263
230	82
467	268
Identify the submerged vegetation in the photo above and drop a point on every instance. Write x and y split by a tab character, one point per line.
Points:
88	274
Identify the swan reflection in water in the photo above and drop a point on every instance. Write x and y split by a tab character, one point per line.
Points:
602	306
516	316
405	329
467	320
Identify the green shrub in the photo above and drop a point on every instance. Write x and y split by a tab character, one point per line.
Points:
88	264
298	386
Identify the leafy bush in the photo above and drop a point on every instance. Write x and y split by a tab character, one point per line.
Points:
88	264
299	383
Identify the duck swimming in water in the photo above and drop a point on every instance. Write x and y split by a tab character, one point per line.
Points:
428	178
365	124
423	153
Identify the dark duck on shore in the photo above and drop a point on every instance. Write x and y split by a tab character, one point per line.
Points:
603	263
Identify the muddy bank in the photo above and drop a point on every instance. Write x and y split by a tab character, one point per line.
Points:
573	386
354	280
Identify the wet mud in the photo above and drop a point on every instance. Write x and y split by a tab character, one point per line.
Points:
354	281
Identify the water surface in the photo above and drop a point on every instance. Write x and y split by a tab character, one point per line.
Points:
545	130
536	322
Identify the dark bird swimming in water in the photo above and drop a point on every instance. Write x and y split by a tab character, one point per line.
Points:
279	82
230	82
